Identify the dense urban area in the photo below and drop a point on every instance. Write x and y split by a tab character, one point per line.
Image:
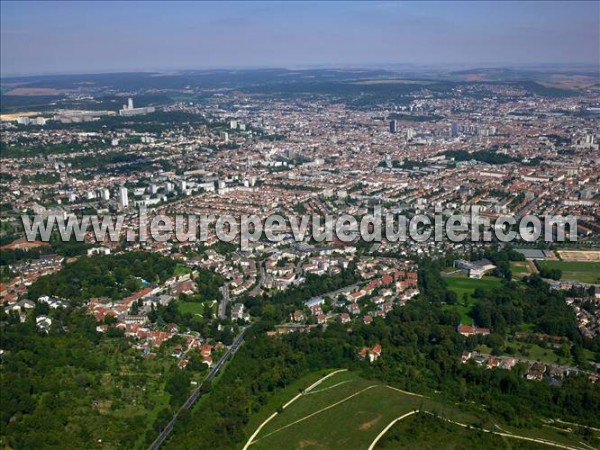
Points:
174	343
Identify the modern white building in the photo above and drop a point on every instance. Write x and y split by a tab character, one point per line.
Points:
123	197
129	110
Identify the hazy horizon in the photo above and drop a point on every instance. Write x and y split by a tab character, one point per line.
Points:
41	38
349	66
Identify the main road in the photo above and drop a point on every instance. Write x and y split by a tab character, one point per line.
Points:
162	437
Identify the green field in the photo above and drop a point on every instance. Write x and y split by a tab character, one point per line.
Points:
585	272
425	432
519	269
463	285
281	397
181	270
348	412
195	307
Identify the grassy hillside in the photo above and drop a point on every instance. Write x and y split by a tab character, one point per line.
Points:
423	431
346	411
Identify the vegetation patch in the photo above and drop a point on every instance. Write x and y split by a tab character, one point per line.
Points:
464	288
585	272
424	431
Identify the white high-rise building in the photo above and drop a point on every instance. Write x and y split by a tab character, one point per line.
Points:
129	110
123	197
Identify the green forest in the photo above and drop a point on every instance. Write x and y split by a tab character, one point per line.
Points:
111	276
77	388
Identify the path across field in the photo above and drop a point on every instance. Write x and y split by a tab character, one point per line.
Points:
349	412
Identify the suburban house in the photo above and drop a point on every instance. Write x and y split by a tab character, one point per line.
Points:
372	354
472	330
297	316
344	318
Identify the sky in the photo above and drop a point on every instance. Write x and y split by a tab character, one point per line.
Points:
87	37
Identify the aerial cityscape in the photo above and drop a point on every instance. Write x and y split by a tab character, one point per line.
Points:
300	225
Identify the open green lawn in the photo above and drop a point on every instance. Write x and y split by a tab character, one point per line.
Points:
197	307
531	351
348	412
537	353
465	285
585	272
546	355
463	310
519	269
462	285
181	270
